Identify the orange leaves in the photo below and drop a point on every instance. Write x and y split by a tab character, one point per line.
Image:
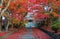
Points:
55	3
23	1
18	9
23	9
55	14
17	4
12	5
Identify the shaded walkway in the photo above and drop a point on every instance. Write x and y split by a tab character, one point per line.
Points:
29	34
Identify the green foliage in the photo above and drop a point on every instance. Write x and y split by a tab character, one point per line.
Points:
55	25
53	18
25	23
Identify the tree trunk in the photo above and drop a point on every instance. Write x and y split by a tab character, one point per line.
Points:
7	26
1	2
0	23
2	11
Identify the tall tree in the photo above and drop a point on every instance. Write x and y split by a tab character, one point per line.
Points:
5	8
1	2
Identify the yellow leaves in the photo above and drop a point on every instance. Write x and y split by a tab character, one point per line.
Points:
15	20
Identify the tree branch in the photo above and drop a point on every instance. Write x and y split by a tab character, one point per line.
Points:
5	7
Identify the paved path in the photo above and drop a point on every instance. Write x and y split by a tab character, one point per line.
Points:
29	34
